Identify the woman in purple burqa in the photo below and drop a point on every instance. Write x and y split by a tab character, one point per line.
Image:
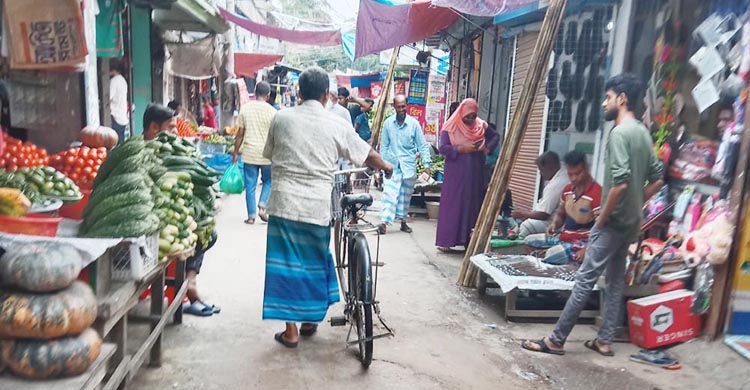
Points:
465	142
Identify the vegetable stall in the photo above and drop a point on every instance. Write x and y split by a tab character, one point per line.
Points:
85	236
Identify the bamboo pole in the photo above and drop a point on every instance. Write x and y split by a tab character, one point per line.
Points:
480	239
377	121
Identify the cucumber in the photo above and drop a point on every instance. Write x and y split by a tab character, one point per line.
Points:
115	202
117	185
130	147
130	228
130	164
122	215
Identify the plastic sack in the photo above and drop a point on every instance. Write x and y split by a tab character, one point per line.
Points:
232	183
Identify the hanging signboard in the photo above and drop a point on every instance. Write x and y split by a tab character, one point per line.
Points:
418	87
45	34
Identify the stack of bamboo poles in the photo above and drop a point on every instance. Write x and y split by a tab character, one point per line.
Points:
480	239
377	121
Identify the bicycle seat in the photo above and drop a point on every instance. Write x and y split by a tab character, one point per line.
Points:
362	200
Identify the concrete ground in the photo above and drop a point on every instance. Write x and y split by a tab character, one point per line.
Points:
445	337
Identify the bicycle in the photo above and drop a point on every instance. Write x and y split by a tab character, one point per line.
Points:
353	261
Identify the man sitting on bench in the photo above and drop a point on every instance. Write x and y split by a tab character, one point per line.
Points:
537	220
580	203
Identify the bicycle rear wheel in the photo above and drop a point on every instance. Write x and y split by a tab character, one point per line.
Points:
360	273
363	319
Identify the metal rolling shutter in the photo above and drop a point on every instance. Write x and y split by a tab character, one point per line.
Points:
523	179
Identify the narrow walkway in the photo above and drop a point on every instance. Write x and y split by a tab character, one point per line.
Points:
442	341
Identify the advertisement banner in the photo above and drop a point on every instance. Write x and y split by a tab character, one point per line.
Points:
433	116
417	111
399	87
436	92
376	88
418	87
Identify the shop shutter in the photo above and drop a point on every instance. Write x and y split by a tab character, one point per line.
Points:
523	178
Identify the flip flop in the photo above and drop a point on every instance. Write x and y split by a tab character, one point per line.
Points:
280	338
214	308
594	346
195	310
543	347
263	216
250	221
309	331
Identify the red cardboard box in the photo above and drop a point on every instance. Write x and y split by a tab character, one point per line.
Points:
663	319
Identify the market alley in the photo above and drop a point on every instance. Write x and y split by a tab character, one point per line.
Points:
445	338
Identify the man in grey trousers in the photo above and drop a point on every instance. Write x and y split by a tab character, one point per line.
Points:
633	174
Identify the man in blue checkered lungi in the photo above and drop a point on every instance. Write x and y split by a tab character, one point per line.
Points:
401	144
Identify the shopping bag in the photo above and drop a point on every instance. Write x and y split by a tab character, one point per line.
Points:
45	34
232	183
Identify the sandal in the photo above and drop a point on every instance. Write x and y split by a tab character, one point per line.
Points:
197	308
444	249
405	228
214	308
594	346
263	215
543	347
308	330
280	338
250	221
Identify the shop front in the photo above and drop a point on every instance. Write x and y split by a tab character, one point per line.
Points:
696	75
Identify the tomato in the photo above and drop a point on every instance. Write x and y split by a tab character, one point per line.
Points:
87	170
74	176
45	160
99	162
56	159
77	169
70	160
92	176
13	149
14	161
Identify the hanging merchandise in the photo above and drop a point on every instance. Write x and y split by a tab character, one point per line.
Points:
45	34
198	60
109	34
704	282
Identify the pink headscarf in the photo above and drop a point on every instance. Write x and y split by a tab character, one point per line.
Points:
460	133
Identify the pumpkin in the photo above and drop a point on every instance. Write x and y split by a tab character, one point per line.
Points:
43	267
97	137
47	316
45	359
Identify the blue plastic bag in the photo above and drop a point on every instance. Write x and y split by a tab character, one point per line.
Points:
232	183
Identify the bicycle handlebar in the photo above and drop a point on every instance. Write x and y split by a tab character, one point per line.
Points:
353	170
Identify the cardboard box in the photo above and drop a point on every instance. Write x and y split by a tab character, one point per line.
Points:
663	319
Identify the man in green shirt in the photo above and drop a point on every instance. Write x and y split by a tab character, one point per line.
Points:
633	174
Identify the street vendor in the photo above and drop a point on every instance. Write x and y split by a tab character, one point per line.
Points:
581	201
536	221
156	119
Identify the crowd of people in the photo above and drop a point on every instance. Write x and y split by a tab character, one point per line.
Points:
575	220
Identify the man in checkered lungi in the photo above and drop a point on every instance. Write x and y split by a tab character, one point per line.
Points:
402	142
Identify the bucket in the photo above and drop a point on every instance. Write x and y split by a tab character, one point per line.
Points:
433	208
74	211
31	224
